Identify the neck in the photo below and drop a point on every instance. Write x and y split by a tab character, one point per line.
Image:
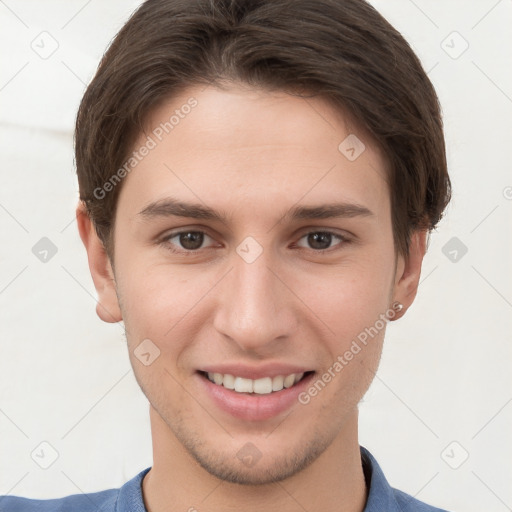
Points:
334	482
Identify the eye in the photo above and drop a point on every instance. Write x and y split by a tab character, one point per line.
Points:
321	241
190	241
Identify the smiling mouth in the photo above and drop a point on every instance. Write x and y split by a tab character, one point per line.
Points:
262	386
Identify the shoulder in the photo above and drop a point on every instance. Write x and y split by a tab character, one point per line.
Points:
409	504
103	501
127	498
381	496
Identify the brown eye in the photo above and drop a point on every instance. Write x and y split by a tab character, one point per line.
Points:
321	240
191	240
185	241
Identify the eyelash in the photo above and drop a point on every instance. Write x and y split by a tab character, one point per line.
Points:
188	252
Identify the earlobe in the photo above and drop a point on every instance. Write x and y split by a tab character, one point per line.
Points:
408	272
107	307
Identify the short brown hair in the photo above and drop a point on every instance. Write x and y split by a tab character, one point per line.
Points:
341	50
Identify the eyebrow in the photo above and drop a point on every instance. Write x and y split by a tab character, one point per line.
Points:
170	207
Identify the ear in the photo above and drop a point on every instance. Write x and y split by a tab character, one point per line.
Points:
107	307
408	272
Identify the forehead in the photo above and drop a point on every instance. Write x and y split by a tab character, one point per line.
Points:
252	148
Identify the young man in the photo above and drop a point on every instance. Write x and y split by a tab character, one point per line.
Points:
257	183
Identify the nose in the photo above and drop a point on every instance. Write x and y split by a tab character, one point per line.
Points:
255	309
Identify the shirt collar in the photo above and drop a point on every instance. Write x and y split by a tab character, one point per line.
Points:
380	493
130	495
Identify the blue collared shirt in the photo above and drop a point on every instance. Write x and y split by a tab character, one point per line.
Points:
128	498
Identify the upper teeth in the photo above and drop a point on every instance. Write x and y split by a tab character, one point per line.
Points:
261	386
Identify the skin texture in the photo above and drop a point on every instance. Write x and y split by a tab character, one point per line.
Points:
253	155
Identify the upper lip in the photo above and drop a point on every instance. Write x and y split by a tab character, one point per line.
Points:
254	372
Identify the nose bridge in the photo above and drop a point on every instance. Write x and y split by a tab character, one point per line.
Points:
254	307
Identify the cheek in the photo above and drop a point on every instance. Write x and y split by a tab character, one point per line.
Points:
162	303
348	298
354	308
154	305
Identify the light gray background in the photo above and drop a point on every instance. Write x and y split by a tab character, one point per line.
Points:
443	391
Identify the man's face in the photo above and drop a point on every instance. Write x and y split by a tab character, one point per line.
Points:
261	293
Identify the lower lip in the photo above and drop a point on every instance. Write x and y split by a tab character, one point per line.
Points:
252	406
